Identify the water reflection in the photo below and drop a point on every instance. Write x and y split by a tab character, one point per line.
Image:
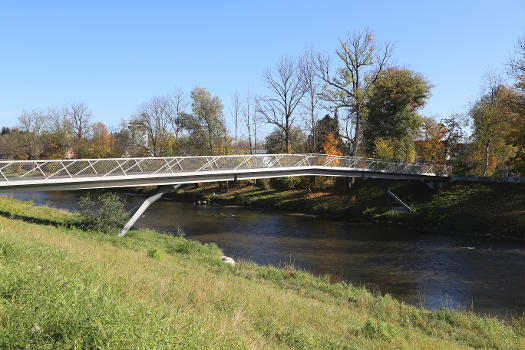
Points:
431	270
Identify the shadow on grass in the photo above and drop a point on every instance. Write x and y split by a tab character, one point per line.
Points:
68	223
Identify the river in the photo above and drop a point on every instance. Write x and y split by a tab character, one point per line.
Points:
420	269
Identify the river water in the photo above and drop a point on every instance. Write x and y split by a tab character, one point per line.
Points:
428	270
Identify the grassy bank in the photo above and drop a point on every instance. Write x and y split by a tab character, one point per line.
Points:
495	210
61	287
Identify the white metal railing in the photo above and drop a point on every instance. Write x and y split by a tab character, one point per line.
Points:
19	170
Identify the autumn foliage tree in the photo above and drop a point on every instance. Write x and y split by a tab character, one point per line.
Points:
432	147
100	141
494	117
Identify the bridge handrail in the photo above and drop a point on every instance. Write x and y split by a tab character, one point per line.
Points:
44	169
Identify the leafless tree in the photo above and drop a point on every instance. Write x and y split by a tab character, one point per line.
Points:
350	85
235	110
32	126
516	64
180	104
249	117
80	117
255	122
287	89
60	129
312	84
155	117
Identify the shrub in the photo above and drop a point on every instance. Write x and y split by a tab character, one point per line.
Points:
154	254
105	214
378	330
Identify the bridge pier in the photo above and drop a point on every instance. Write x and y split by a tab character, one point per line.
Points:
162	190
434	185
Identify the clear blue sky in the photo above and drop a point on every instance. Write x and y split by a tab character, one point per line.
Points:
116	55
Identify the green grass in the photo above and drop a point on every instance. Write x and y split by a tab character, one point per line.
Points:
61	287
468	209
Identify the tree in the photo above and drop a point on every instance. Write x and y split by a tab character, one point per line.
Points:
276	142
60	132
393	107
492	117
432	147
32	127
455	134
206	127
516	137
179	105
235	111
352	83
513	104
11	143
121	141
331	146
516	65
286	91
155	117
249	117
399	150
100	142
79	116
311	101
322	128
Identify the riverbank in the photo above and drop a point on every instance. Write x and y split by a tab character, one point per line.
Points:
64	287
487	210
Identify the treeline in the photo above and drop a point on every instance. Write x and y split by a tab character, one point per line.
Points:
356	104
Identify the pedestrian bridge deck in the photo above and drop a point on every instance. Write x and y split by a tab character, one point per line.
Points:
74	174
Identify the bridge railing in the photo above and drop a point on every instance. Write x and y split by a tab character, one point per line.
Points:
19	170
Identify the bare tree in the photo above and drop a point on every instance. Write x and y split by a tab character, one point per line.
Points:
80	117
235	110
60	129
312	85
351	84
179	105
32	126
155	116
287	90
249	117
516	64
255	122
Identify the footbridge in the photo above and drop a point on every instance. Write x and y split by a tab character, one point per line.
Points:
76	174
170	172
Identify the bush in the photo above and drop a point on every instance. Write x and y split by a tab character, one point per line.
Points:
154	253
105	214
378	330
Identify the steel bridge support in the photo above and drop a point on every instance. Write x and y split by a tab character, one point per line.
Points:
396	198
162	190
383	185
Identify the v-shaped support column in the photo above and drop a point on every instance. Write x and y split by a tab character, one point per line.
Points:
162	190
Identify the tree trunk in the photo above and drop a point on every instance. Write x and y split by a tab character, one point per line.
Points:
355	146
487	159
287	140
